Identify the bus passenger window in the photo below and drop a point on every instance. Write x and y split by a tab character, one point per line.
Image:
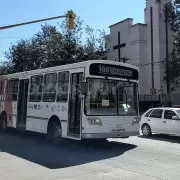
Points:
13	88
49	90
36	88
8	91
1	87
7	87
63	84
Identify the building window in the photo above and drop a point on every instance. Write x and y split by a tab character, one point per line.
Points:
49	90
35	94
63	84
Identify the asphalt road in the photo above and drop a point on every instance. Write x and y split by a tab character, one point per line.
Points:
30	157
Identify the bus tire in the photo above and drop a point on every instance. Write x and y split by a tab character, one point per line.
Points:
3	122
54	131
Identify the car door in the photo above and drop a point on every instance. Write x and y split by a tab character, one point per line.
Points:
170	126
155	120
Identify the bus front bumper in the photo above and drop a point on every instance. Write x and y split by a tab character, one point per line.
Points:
109	135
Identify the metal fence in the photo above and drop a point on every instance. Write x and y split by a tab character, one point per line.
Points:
167	100
174	99
149	97
148	101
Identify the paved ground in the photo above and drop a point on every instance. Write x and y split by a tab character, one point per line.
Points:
25	157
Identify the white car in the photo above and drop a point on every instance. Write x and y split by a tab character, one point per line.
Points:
161	120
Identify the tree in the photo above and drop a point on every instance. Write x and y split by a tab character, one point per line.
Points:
3	69
34	53
95	43
172	17
48	42
19	56
53	46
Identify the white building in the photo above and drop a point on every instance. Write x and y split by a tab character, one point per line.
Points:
144	45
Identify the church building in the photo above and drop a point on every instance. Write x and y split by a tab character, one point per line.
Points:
144	45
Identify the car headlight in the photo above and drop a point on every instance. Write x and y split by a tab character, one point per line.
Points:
94	121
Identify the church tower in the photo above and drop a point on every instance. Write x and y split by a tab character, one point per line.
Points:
159	42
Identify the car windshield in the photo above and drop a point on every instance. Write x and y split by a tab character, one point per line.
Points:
111	97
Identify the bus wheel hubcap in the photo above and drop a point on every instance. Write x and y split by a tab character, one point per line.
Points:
57	132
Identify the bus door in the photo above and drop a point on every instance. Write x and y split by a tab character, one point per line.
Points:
22	104
74	120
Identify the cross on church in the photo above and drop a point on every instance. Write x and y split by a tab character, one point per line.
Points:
119	46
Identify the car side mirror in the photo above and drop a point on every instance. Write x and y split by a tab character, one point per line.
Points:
84	88
175	118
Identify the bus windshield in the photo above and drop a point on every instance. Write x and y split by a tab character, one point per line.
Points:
111	97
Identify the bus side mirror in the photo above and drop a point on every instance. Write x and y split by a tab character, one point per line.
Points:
84	88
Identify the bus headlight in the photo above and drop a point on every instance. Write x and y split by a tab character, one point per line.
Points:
136	120
94	121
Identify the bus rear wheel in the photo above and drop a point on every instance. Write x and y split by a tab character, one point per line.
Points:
3	123
54	132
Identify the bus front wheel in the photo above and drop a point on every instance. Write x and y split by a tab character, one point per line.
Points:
54	131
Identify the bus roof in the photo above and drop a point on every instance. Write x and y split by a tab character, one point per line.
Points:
67	67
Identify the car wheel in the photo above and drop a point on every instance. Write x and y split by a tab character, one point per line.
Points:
146	130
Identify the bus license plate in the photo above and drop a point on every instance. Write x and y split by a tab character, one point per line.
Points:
117	130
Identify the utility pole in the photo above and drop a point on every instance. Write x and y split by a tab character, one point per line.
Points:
70	21
152	47
167	59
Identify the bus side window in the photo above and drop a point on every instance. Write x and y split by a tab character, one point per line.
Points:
7	87
2	87
49	90
8	91
35	94
13	88
63	84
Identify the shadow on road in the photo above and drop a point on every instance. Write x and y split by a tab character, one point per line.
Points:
34	148
163	137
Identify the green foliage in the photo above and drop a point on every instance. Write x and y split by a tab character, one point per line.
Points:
172	17
53	46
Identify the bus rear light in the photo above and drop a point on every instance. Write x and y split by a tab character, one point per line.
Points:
95	121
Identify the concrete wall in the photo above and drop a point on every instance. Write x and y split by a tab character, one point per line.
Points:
138	49
138	46
124	28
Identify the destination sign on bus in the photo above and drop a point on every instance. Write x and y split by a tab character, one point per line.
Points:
113	71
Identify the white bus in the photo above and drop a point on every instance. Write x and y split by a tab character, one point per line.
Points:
86	100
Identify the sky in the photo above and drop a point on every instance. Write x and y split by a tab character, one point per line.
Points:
99	14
